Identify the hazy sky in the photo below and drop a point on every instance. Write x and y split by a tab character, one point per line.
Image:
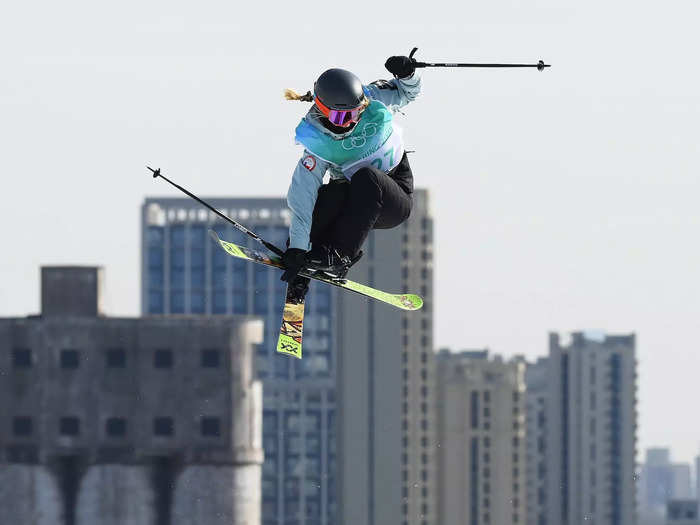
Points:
563	200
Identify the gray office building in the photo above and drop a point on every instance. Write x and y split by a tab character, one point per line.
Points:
591	430
145	421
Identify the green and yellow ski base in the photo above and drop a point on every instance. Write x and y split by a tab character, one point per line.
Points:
405	301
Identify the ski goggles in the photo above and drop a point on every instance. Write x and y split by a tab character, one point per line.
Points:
342	118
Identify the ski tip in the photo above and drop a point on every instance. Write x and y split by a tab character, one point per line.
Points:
410	301
214	236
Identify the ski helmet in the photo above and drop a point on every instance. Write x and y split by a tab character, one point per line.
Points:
338	94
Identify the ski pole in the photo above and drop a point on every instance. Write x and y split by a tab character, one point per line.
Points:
156	173
540	65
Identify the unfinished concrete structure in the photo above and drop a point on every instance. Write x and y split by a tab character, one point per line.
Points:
152	421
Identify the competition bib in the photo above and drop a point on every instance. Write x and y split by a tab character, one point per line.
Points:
375	141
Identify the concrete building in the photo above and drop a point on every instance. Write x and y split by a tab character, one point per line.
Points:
537	389
107	421
481	406
386	378
362	360
682	512
592	423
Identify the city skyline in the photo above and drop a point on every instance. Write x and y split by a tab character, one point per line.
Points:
563	200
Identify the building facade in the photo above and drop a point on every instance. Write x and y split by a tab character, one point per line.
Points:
184	271
592	424
536	380
481	405
386	377
127	420
661	481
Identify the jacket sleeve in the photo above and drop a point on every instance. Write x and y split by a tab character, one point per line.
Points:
301	198
396	92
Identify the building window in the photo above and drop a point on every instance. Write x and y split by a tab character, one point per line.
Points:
69	426
163	426
115	427
22	426
22	358
474	397
116	358
211	358
211	426
424	442
163	358
70	359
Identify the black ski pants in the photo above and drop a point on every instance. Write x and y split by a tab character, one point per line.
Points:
346	211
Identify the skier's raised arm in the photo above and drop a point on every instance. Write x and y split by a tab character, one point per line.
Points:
399	91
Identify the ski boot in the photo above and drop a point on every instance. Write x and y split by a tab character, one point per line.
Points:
330	263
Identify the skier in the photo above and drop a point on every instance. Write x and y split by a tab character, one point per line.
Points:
349	132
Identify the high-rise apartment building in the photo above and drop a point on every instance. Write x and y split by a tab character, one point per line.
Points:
184	271
386	382
592	423
536	379
352	417
481	405
109	420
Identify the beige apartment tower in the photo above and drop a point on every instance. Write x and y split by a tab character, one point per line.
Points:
481	434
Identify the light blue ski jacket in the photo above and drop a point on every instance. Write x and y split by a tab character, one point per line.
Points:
310	170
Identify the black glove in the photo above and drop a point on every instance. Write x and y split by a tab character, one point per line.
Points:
401	67
294	259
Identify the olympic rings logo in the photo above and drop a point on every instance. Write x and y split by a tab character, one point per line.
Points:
360	141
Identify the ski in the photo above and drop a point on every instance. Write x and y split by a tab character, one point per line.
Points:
289	341
404	301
